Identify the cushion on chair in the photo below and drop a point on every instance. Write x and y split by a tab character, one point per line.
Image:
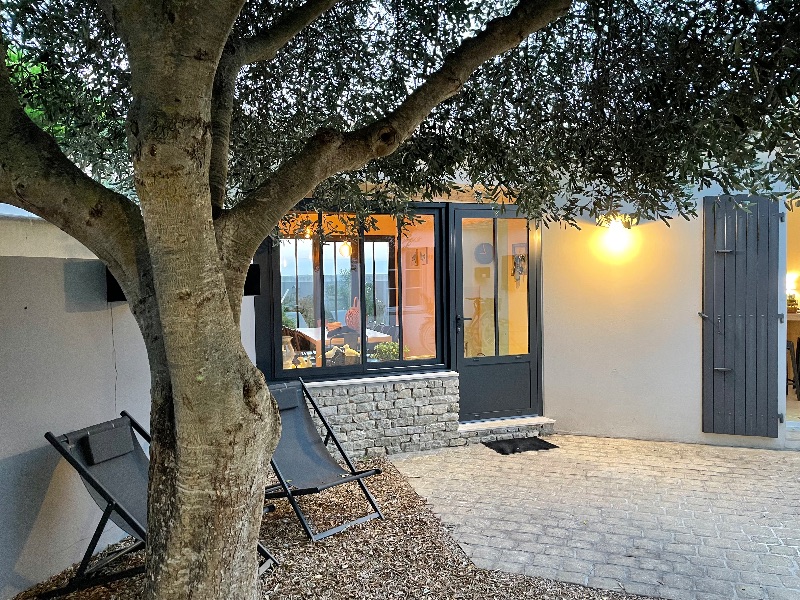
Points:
105	445
288	395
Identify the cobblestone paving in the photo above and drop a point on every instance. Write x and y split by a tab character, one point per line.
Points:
679	521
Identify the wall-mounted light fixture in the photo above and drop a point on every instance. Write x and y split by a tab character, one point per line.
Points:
346	249
617	242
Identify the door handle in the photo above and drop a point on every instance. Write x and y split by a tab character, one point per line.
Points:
459	321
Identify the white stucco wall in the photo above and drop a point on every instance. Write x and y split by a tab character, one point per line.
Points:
622	347
68	359
34	237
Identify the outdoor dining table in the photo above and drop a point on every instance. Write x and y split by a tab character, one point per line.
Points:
317	335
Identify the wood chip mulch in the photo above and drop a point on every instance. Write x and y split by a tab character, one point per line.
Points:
408	554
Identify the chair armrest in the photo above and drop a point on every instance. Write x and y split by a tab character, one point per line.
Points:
138	428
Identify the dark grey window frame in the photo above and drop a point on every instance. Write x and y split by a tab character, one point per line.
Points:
268	311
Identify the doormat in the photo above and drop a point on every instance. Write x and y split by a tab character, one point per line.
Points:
519	445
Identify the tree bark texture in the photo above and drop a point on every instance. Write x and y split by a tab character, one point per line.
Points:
214	424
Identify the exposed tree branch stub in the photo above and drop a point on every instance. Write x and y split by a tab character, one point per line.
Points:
242	229
238	53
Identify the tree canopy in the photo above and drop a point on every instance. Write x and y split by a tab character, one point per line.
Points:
619	102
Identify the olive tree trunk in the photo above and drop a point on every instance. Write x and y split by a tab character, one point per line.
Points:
212	433
214	426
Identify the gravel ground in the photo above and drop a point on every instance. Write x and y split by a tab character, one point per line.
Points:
408	554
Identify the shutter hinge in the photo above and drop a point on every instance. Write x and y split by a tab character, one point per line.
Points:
783	218
723	251
780	417
781	317
722	369
703	315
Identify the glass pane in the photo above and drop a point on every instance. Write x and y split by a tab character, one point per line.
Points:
419	289
341	272
380	283
342	305
478	256
512	301
300	304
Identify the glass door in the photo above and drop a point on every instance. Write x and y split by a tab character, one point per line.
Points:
492	315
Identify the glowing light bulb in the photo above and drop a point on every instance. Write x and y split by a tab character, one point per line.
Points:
615	243
346	249
617	238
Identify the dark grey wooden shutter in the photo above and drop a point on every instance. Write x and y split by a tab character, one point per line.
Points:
740	317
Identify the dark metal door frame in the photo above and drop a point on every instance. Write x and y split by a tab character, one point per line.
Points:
458	212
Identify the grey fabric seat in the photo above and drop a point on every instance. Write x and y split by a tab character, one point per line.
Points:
114	468
302	462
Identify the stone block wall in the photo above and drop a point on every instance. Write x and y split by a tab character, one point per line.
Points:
407	413
387	415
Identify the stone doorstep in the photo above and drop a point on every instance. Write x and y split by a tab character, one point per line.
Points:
499	429
488	424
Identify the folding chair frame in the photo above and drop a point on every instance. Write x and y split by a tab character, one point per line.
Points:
283	490
85	576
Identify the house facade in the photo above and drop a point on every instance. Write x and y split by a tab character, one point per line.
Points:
655	332
462	325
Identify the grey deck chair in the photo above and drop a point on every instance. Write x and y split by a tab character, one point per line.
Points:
114	468
302	462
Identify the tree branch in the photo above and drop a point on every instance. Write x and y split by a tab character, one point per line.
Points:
36	176
265	45
242	229
238	53
500	35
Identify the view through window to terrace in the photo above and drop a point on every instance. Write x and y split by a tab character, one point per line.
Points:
357	301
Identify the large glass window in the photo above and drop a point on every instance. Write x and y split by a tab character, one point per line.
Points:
357	301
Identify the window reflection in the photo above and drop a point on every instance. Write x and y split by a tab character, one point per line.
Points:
341	273
477	241
512	303
325	320
419	290
299	302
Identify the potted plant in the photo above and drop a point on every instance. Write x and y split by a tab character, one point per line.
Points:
387	351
